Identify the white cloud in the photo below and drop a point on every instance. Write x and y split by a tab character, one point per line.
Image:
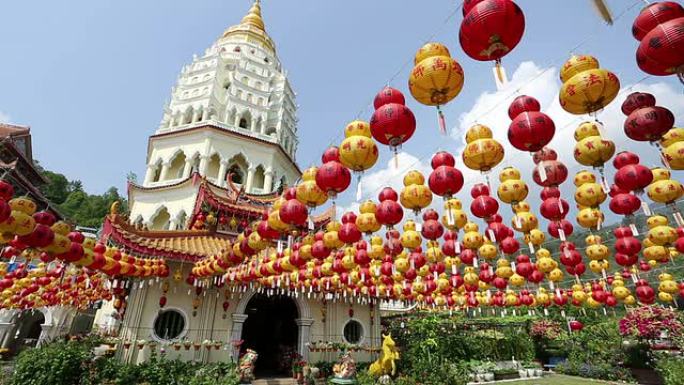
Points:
4	118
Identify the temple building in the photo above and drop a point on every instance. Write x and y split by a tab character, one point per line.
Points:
223	152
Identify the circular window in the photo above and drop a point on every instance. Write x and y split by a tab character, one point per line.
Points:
169	324
353	332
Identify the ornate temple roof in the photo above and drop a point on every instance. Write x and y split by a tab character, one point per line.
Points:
193	245
183	245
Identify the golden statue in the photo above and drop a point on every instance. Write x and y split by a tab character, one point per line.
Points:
385	365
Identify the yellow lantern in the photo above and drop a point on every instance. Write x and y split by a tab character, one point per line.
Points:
673	148
358	151
512	189
586	87
366	221
454	218
436	78
472	239
663	189
410	239
591	149
487	251
415	195
308	191
588	192
481	153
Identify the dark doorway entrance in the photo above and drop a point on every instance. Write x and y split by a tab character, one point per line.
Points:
271	330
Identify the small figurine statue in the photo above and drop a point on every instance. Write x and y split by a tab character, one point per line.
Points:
345	370
385	365
246	367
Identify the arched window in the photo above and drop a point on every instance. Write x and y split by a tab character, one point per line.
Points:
182	218
243	123
169	325
259	178
237	176
176	167
271	131
353	332
213	166
237	49
161	221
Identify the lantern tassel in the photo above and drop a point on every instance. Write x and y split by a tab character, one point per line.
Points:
603	10
499	75
442	121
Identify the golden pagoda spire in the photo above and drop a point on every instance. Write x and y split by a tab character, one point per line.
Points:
253	17
251	28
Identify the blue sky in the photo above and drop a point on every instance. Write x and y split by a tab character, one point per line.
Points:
91	77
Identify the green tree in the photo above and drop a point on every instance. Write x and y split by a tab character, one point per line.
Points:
74	203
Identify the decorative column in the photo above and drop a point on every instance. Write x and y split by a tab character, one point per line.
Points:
204	162
187	169
268	181
253	125
236	333
164	171
262	129
205	114
149	175
223	169
304	325
250	179
236	123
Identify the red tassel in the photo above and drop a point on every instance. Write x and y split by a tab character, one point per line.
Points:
442	121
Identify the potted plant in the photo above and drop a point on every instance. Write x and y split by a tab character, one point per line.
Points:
141	344
196	345
505	374
218	345
126	344
187	344
176	346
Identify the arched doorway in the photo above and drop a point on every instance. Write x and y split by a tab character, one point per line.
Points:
271	330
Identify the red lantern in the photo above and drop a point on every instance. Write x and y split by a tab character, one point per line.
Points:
661	51
445	180
637	100
333	178
162	301
432	229
624	204
554	209
491	29
484	206
293	212
576	326
331	154
648	123
530	129
560	229
392	122
521	104
389	212
549	171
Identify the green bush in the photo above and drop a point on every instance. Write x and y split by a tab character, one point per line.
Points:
57	363
671	369
72	363
596	352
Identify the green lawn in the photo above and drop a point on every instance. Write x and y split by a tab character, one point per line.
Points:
558	379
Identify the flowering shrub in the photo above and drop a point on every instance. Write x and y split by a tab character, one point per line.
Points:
649	322
546	330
